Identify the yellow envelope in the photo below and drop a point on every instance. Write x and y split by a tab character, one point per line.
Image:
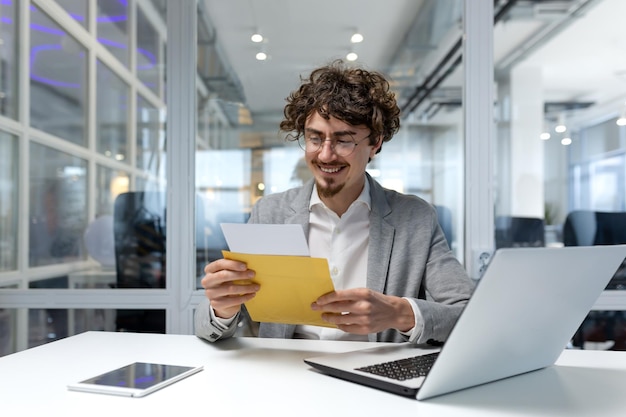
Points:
289	285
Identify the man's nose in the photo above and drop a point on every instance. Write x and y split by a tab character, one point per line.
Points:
326	151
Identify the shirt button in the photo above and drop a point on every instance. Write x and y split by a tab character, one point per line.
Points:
335	271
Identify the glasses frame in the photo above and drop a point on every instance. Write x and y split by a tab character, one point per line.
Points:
302	142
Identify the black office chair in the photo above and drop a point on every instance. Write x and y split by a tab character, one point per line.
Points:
588	228
139	233
517	232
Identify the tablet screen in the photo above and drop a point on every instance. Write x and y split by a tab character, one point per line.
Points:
139	375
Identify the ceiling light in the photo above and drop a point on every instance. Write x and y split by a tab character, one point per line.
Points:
566	141
352	56
560	125
544	136
261	56
256	37
356	38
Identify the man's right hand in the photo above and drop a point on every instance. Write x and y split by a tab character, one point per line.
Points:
228	284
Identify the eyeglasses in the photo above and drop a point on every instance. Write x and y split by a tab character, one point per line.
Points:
312	142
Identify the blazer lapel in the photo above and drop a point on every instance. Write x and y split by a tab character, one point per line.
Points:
381	239
300	207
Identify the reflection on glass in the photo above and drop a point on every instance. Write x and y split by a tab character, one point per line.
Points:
8	326
150	139
112	113
58	206
150	54
223	180
58	77
8	201
139	232
224	195
47	325
77	9
112	28
8	60
8	318
598	169
95	319
109	184
276	163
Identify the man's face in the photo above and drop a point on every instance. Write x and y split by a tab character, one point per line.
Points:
335	175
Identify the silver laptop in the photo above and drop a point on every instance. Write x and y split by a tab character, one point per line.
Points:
522	314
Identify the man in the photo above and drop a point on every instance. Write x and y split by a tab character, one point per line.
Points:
395	277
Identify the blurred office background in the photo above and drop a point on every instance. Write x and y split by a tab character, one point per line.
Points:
87	168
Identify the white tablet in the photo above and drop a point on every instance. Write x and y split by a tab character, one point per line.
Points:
135	380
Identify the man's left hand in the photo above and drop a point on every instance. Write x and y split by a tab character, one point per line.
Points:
363	311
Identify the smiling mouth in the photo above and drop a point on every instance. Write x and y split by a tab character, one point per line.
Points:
330	170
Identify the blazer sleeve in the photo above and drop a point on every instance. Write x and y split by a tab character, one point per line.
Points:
410	257
445	289
207	329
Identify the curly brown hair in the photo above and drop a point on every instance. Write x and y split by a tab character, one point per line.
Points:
353	95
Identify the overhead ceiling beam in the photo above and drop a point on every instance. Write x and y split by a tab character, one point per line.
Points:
450	61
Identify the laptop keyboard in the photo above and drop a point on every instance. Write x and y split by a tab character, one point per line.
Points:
403	369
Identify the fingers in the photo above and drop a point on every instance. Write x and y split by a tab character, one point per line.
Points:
344	300
225	265
227	307
357	311
224	271
228	284
350	323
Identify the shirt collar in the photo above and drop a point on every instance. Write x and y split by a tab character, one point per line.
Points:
363	198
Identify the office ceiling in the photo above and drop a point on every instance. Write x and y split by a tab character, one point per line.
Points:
577	43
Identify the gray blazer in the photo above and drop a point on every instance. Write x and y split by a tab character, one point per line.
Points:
408	257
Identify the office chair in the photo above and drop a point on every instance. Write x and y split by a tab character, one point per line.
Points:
516	232
139	232
587	228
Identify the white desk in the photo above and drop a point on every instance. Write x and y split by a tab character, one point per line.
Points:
258	377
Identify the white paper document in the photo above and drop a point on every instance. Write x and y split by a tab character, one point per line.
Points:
266	239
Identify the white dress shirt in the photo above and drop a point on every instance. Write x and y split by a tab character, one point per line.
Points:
344	241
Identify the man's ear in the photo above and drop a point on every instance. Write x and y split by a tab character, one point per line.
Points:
376	147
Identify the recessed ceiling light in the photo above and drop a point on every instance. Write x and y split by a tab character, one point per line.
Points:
256	38
566	141
352	56
356	38
261	56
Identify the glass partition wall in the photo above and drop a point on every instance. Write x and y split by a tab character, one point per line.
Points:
560	144
82	138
